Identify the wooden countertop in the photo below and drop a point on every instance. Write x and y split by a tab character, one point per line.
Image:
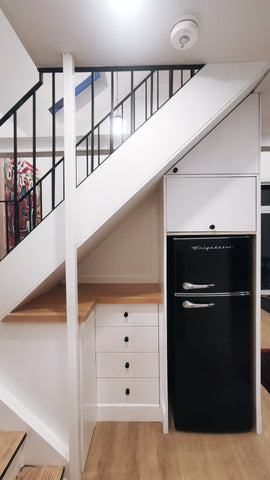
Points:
51	306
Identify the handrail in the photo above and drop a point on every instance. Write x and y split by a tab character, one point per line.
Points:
22	100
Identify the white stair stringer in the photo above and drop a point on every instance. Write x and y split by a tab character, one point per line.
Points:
132	169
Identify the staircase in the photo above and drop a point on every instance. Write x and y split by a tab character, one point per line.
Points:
10	444
128	173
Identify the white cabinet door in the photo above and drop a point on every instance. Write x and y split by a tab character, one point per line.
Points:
209	204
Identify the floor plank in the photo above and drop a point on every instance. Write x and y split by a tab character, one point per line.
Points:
140	451
9	444
41	473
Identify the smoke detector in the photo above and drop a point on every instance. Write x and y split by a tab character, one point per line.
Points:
185	33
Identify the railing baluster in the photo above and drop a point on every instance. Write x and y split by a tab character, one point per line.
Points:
98	146
15	192
87	165
111	114
145	104
92	122
53	141
132	103
34	161
7	235
157	89
170	83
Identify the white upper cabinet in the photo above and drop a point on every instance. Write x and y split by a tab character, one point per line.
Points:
210	204
232	147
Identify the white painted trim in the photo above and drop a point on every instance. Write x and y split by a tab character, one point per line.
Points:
33	421
165	332
258	408
71	267
129	413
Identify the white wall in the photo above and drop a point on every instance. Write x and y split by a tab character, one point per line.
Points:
131	253
18	72
33	359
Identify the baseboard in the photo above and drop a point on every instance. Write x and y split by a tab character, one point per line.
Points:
129	413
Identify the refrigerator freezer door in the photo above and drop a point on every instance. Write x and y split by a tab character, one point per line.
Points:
210	361
209	264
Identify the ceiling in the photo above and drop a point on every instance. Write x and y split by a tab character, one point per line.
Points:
106	32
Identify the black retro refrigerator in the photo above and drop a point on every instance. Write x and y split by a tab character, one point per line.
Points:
210	332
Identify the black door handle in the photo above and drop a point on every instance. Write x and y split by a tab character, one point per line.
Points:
127	392
127	364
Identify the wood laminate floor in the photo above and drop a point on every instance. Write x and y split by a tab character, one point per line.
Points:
140	451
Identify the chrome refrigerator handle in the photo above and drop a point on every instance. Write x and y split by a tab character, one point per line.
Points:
191	286
187	304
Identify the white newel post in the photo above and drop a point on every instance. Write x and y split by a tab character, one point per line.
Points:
71	266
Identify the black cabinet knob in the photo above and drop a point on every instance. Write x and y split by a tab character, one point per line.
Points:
127	392
175	170
126	339
126	314
127	364
212	227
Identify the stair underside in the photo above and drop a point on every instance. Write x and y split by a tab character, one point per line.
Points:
10	443
41	473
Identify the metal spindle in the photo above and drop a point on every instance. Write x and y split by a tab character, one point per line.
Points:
92	122
151	94
182	78
132	103
170	83
87	164
111	115
98	145
15	192
157	89
34	162
145	100
53	141
7	235
30	211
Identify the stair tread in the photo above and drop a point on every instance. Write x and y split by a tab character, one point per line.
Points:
39	472
10	442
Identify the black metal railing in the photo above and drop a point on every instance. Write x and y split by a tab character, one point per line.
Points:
101	141
139	100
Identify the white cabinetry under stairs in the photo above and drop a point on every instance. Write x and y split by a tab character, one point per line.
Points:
127	356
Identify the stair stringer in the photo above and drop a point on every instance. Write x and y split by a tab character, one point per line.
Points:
129	172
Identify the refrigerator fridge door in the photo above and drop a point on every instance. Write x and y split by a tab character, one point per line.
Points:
209	264
210	373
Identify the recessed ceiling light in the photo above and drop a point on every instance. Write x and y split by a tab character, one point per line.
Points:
125	6
185	33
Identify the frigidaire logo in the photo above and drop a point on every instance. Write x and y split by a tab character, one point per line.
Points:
211	247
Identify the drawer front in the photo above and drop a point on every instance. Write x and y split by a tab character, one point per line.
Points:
127	314
204	204
128	391
127	339
127	365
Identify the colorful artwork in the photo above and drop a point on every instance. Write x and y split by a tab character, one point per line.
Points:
25	205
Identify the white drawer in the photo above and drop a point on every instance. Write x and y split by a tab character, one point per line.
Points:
128	391
126	314
127	339
127	365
